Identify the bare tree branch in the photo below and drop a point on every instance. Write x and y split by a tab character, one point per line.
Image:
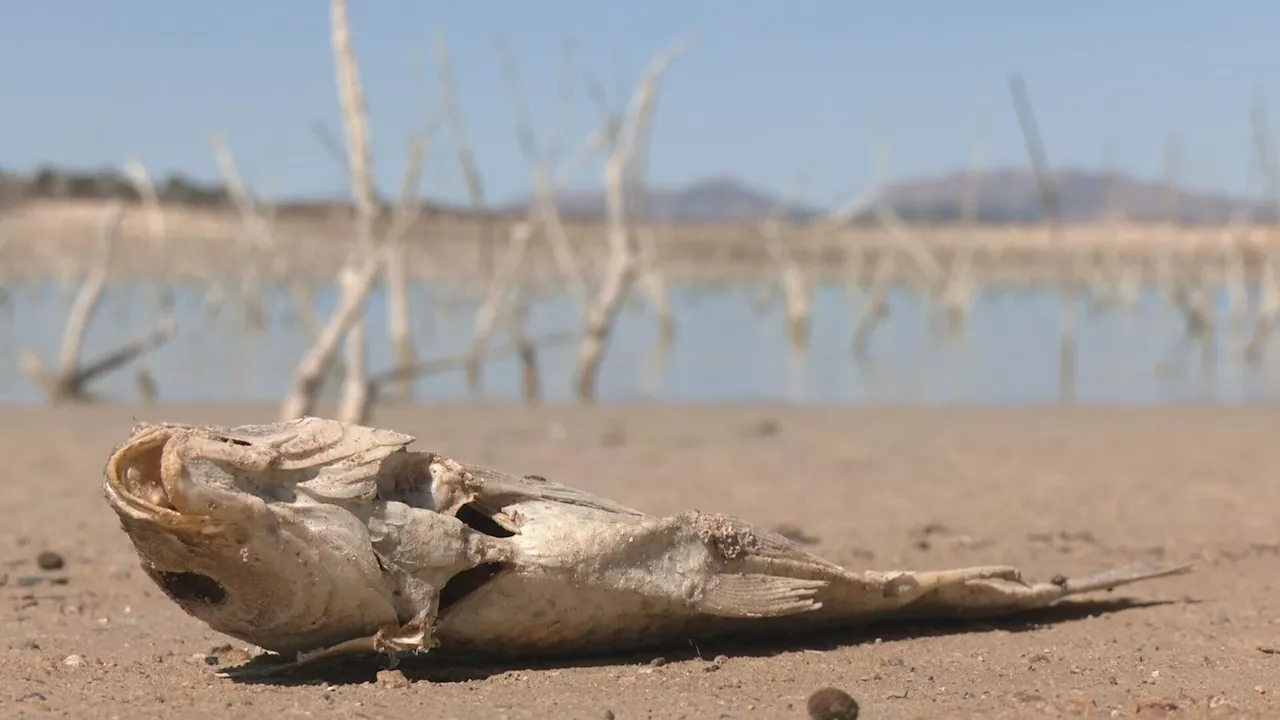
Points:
621	264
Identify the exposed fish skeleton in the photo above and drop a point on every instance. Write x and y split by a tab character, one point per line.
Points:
315	539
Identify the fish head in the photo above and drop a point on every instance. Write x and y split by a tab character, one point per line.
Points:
257	530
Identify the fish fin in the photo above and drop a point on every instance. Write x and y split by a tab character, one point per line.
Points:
949	593
757	595
1111	579
414	636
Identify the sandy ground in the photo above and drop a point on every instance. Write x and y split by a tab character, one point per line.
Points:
1048	490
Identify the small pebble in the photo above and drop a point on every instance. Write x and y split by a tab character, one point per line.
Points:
608	715
49	560
658	662
832	704
33	697
392	679
73	661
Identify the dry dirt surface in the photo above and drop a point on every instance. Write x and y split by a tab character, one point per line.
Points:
1051	491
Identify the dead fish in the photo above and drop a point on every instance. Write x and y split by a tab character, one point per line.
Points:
314	538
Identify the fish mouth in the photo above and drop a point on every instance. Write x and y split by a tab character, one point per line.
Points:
134	476
147	478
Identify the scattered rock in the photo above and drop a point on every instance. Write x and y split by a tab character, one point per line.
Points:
1156	707
927	535
33	697
1080	706
608	715
1221	702
658	662
1268	650
765	428
393	679
49	560
795	533
832	704
73	661
1030	698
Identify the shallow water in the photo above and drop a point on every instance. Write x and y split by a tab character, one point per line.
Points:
726	350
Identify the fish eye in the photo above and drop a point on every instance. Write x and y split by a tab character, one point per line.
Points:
192	587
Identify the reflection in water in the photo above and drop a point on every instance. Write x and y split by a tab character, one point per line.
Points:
725	350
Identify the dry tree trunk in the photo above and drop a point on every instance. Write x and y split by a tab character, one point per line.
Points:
877	309
1236	283
794	284
1191	297
887	215
355	282
648	270
1069	319
960	285
406	213
475	192
527	352
651	279
1118	284
157	227
161	299
491	308
466	159
355	122
256	237
73	376
620	267
358	276
544	216
1268	311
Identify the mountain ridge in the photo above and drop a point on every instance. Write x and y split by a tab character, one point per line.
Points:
1006	196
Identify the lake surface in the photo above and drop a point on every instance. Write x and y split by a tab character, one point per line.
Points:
726	350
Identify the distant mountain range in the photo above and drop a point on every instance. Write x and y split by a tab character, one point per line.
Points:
1005	196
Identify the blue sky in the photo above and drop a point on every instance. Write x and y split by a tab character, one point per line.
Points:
770	90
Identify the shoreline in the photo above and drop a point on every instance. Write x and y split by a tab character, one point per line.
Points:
55	239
